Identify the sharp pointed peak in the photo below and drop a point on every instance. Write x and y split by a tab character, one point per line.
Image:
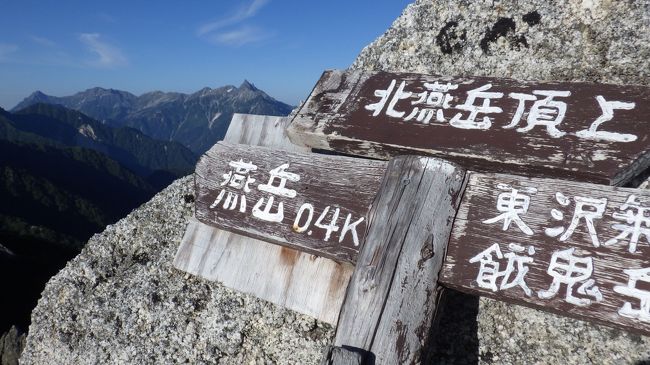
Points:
38	93
247	85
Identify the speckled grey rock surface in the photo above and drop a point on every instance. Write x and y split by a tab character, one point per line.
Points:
121	302
586	40
12	343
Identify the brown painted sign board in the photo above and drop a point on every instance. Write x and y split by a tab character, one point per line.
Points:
576	249
238	262
581	250
314	203
578	131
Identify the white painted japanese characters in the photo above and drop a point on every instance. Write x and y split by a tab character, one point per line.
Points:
547	110
315	203
239	178
579	249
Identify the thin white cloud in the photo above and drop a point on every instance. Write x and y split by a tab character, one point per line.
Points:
242	14
7	49
43	41
234	30
107	18
108	56
240	36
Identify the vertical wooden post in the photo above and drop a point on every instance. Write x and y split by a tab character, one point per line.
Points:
392	297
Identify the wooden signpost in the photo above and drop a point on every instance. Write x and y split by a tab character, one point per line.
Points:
572	248
416	224
245	264
581	250
580	131
391	220
575	249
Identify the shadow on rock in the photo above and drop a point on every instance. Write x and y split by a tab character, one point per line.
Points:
455	338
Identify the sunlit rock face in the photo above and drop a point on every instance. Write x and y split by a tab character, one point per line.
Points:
121	301
591	40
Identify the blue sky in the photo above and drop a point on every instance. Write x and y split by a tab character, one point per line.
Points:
61	47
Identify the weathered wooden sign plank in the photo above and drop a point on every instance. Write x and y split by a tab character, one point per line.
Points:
239	262
580	250
577	131
393	293
270	272
312	202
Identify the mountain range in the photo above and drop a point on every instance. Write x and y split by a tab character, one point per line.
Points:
71	165
63	177
195	120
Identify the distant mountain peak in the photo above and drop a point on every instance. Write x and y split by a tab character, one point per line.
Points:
205	90
38	96
195	120
247	85
102	91
37	93
35	98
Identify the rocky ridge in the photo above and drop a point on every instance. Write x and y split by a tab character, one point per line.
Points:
121	301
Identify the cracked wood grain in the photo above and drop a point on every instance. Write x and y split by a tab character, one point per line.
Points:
477	228
338	189
392	296
239	262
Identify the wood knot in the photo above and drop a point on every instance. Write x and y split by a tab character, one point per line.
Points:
426	253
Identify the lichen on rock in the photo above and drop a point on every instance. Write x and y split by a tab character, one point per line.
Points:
575	40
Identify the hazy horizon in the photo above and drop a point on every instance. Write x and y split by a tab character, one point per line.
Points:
237	85
64	48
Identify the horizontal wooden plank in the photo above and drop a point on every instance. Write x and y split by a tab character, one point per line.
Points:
261	130
577	131
314	203
577	249
238	261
